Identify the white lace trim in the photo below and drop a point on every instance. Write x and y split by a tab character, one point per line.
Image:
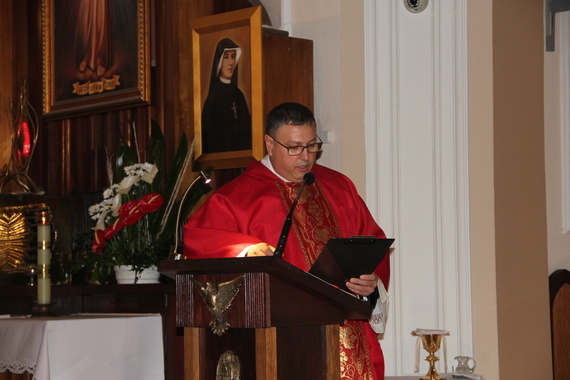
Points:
380	312
17	367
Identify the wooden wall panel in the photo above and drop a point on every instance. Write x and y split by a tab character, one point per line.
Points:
13	67
6	73
287	71
71	154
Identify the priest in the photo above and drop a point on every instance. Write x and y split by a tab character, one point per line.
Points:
245	217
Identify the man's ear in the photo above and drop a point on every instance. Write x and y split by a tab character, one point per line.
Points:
269	145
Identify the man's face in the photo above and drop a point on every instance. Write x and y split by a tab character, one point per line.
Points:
292	168
228	64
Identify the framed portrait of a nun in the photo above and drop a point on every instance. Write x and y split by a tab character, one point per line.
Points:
227	88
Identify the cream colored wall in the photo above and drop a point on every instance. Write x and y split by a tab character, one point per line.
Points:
508	199
481	171
336	27
352	92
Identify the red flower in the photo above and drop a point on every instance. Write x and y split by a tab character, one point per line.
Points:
133	211
130	213
113	229
98	242
151	202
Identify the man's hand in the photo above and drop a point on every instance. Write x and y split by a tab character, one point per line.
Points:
261	249
363	286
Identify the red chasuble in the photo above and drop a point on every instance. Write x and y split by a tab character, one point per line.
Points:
252	208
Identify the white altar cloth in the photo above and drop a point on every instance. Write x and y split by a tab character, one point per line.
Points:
84	347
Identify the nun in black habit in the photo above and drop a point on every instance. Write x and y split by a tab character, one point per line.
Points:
226	120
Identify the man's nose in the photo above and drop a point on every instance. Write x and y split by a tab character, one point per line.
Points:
305	155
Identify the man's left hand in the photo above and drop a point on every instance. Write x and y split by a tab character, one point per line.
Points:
363	286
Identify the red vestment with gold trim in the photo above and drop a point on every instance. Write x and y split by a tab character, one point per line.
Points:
252	208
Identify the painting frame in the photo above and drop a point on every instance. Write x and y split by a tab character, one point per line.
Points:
119	76
244	24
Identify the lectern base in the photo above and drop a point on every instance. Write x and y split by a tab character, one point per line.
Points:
292	352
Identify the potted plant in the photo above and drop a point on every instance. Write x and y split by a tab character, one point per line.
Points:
137	218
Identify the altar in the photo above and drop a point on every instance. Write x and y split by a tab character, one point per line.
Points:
83	346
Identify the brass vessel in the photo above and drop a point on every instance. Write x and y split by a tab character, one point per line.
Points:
431	343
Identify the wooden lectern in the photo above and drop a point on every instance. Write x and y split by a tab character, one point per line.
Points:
284	322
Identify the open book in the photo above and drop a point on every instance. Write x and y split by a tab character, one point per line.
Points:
344	258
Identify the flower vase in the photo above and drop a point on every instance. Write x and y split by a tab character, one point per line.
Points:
126	275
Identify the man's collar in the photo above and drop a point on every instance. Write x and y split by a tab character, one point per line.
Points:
266	161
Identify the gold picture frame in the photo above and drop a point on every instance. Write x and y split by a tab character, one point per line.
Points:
96	55
239	33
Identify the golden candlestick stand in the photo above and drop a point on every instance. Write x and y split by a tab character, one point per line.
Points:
431	341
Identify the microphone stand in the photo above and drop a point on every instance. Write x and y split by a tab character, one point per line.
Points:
175	255
308	178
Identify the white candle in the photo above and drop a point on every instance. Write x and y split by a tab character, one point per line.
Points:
44	232
44	258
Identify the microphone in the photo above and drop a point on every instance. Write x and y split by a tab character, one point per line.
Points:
308	179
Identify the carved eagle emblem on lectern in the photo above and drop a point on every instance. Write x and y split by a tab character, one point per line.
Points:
218	298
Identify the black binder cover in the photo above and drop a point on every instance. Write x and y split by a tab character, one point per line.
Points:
344	258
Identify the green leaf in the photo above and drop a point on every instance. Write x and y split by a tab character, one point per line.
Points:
125	157
177	166
157	155
168	191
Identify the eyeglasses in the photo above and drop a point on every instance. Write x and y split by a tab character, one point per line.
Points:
298	150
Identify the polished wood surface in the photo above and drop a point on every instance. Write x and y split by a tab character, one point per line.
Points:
266	353
332	351
16	376
192	360
559	289
288	71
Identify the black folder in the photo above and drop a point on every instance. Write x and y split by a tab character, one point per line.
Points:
344	258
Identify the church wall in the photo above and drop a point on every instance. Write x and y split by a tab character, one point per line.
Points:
508	202
336	28
484	298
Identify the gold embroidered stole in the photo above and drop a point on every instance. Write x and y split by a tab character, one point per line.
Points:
314	223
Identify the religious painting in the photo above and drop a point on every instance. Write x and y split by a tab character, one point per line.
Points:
228	120
95	55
